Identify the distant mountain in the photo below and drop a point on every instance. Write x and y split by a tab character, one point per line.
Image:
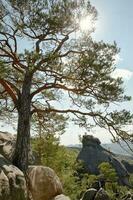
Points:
75	146
121	149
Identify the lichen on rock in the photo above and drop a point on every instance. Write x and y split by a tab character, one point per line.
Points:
12	181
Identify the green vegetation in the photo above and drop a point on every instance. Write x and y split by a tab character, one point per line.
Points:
72	173
108	172
50	153
46	60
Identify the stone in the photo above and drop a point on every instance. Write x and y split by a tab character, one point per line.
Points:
89	194
44	184
127	196
90	140
128	165
12	181
102	195
93	154
5	137
61	197
7	146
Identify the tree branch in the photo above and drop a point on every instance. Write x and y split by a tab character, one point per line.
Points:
9	90
48	110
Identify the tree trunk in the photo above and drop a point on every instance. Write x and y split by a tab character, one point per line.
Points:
20	158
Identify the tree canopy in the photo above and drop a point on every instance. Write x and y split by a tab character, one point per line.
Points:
49	66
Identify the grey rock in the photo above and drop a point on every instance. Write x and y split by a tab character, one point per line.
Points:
89	194
92	154
5	137
127	196
128	165
61	197
90	140
7	146
12	181
101	195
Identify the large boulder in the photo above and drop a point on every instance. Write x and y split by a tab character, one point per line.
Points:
12	181
92	154
44	184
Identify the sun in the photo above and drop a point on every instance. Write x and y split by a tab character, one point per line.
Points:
86	23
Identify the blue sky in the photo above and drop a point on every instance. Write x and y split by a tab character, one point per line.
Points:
115	23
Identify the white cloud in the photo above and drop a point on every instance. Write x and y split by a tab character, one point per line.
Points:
124	73
118	59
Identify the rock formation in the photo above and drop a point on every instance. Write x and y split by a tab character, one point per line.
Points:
12	181
44	183
92	154
128	166
7	146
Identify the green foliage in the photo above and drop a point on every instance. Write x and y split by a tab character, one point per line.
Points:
108	172
131	179
65	64
46	148
52	123
56	71
75	180
50	153
72	173
4	70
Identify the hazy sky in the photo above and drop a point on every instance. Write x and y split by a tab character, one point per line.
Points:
115	23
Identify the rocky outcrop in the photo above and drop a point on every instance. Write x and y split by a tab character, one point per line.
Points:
7	146
12	181
44	183
128	166
93	154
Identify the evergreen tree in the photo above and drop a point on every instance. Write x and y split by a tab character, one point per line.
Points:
47	60
108	172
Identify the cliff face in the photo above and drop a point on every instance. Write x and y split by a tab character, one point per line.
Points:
93	154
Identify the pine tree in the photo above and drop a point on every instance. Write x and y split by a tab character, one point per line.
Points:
47	60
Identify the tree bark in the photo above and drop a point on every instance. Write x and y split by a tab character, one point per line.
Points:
21	153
